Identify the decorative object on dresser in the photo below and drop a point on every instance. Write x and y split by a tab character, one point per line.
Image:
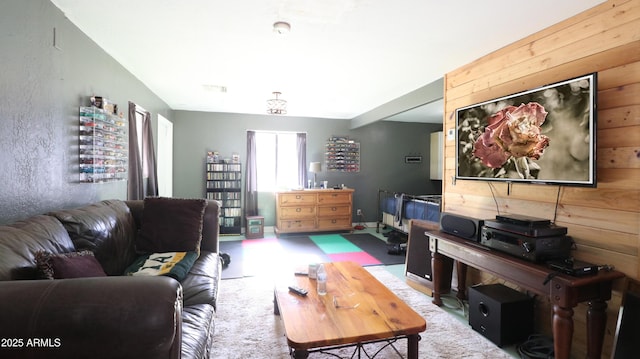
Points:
224	184
315	210
315	168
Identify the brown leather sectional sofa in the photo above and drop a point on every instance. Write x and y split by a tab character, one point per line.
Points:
103	317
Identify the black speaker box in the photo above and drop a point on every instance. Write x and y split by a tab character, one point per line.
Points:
461	226
501	314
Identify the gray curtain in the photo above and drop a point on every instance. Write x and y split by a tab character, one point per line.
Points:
150	156
302	159
251	182
136	187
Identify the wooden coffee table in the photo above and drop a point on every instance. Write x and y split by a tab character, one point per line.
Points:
356	310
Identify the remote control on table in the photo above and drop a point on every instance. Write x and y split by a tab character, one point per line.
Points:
297	290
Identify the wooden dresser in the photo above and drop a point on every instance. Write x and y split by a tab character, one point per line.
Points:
314	210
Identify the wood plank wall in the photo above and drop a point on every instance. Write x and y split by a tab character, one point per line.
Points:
605	221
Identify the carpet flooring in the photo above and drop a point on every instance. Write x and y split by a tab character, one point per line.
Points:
251	256
245	326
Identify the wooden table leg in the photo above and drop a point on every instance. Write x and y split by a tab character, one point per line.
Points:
562	331
412	346
596	323
276	310
437	264
461	268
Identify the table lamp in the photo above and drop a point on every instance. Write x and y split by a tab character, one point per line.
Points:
315	167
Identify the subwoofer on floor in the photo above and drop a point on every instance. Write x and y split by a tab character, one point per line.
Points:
501	314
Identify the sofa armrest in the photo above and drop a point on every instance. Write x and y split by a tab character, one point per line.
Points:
112	317
211	227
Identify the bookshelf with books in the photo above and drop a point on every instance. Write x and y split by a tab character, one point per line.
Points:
224	185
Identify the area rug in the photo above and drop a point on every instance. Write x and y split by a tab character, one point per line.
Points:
245	326
251	256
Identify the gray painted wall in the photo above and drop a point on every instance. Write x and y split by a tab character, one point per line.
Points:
383	146
41	87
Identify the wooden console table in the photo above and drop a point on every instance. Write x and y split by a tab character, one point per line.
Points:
564	291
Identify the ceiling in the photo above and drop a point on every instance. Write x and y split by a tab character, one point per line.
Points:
341	59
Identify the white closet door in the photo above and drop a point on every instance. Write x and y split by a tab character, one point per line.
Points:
165	157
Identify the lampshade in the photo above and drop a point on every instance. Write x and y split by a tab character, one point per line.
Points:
315	167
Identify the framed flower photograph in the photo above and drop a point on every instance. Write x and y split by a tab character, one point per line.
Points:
544	135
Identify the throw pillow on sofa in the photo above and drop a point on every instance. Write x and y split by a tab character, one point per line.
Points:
173	264
105	228
68	265
171	225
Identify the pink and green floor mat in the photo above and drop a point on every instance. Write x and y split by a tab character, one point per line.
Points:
251	257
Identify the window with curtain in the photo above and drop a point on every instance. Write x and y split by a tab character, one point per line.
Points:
276	161
141	150
143	176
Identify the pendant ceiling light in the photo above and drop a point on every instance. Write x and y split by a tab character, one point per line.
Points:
281	27
276	106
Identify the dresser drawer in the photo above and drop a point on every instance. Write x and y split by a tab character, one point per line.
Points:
340	210
297	225
285	199
334	197
331	223
313	210
297	212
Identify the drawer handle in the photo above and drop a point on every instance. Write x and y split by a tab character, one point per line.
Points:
298	209
334	209
334	221
298	196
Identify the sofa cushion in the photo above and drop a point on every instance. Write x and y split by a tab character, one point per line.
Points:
21	240
200	286
106	228
171	264
68	265
197	331
171	225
